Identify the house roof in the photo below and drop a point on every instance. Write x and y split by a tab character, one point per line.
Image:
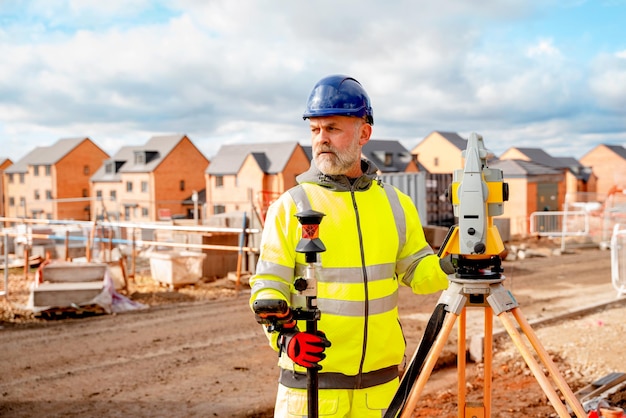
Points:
272	157
48	155
538	155
155	151
376	150
125	161
455	139
118	160
618	149
522	168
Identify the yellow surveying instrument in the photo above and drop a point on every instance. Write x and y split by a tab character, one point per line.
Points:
474	246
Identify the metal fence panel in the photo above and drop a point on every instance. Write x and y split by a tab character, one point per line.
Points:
559	223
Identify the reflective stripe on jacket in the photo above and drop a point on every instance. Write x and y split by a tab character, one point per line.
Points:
374	242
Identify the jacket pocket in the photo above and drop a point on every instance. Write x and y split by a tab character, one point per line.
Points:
328	402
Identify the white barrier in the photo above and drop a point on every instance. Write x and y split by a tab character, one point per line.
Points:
559	223
618	259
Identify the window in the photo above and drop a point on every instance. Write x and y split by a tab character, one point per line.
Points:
11	178
108	168
144	212
140	157
127	212
217	209
11	201
388	159
436	162
48	170
35	170
98	193
219	181
37	195
21	178
144	187
85	193
86	170
49	194
113	194
129	186
22	201
182	185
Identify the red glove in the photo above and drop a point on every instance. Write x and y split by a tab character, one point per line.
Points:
306	349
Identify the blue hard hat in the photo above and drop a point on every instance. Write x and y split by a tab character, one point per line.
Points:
339	95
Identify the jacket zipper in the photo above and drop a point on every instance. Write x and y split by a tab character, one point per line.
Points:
366	290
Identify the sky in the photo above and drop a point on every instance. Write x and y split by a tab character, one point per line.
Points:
522	73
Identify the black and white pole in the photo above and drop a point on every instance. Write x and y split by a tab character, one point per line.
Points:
310	245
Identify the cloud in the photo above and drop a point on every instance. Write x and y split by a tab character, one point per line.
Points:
607	82
224	71
544	47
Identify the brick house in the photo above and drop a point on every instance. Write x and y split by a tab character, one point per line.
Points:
242	176
578	178
150	182
52	182
4	164
608	163
440	152
532	188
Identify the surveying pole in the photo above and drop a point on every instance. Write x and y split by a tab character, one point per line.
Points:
275	313
475	245
310	245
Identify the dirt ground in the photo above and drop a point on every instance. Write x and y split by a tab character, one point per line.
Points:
198	352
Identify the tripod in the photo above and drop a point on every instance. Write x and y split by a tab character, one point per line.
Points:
486	290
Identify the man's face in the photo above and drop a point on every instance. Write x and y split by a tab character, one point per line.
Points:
337	142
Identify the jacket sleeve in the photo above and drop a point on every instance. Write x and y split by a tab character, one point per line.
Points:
274	274
418	266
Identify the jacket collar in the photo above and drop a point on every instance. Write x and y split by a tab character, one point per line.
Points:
340	183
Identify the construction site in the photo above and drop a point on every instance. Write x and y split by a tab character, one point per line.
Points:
116	319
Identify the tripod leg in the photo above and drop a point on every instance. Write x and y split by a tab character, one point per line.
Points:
534	367
566	391
460	358
488	356
429	365
466	409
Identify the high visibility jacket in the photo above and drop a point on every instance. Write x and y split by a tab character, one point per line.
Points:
374	243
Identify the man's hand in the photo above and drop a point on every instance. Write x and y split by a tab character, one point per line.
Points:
305	349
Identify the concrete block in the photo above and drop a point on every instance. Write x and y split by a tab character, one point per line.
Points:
66	294
65	271
176	268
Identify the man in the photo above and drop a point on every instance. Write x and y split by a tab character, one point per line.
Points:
374	243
